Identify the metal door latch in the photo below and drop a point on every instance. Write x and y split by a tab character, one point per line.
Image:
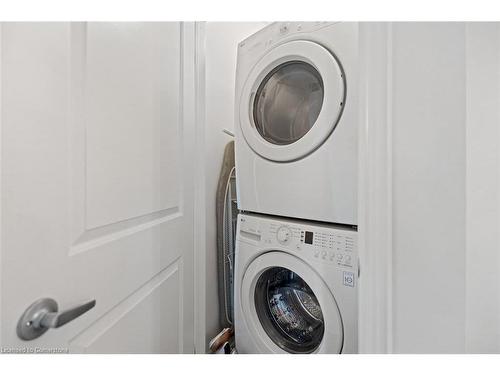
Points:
43	314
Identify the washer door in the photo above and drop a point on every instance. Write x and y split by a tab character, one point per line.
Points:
292	100
288	307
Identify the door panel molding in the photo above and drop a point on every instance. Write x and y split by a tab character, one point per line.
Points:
111	319
93	238
84	235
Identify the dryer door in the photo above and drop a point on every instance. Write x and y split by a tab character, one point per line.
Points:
289	308
292	101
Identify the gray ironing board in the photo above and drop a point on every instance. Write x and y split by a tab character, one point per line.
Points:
226	212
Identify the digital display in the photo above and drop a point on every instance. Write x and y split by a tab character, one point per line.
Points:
309	238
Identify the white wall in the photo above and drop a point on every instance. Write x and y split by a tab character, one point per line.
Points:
221	45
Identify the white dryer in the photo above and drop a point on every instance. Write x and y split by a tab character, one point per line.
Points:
295	287
296	121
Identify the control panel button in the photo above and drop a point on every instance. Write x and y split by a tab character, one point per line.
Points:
284	235
323	254
283	29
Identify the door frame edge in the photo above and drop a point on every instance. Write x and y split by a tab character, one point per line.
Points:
200	345
1	182
375	320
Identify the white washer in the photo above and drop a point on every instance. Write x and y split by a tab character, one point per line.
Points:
295	287
296	121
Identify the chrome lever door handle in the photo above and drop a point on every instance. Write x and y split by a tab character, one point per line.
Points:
56	319
43	314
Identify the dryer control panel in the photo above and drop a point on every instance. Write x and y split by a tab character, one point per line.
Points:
329	244
276	31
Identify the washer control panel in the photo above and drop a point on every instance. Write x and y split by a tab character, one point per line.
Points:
330	244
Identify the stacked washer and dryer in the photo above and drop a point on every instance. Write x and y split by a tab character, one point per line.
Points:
296	270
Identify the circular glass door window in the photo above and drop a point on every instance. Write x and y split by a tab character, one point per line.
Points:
289	311
288	102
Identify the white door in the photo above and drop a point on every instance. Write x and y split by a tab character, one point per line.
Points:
96	184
